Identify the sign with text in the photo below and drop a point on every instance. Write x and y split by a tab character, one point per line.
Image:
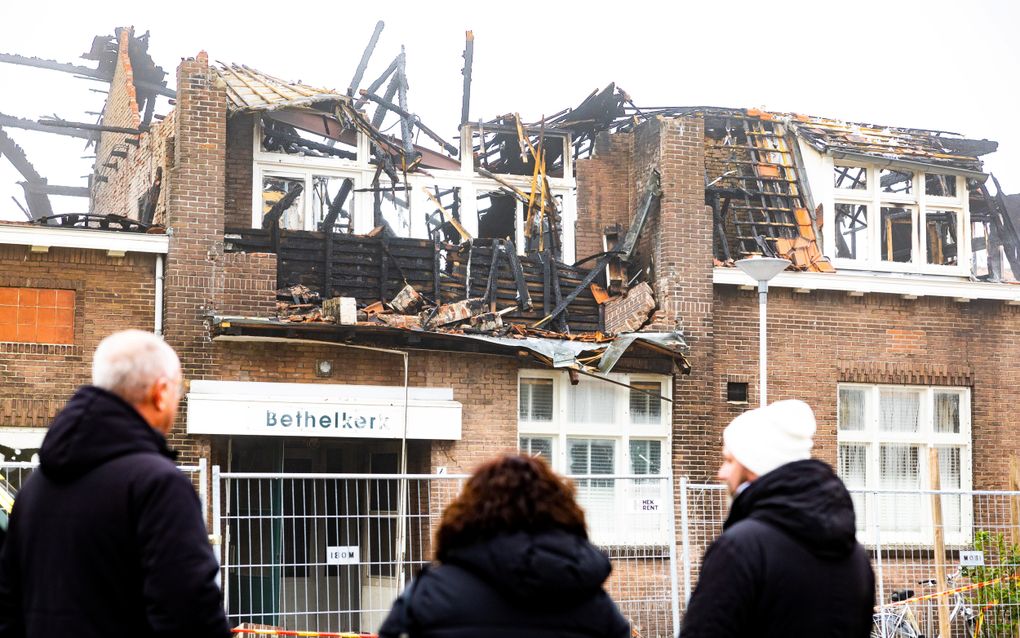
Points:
303	414
343	555
972	559
648	505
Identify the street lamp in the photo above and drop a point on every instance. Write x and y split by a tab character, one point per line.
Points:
762	270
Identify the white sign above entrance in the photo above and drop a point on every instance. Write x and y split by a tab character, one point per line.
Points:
320	410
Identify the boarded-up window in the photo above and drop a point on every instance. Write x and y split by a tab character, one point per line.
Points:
36	315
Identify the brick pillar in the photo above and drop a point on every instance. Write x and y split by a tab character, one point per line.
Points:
604	191
195	211
679	242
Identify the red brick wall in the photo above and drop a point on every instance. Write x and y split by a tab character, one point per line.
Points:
818	339
110	294
240	129
195	204
604	192
249	285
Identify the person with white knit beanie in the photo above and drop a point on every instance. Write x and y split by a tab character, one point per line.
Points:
788	562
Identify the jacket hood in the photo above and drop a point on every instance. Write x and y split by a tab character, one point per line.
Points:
805	500
94	427
553	567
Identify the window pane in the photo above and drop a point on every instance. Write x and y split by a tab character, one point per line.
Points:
940	185
852	409
535	400
898	410
947	412
328	192
899	470
393	208
276	188
897	234
850	177
592	402
899	182
645	457
951	478
645	407
852	236
537	446
853	468
940	230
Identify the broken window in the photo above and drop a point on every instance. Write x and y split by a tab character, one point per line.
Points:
275	188
899	182
850	177
497	215
330	193
936	185
852	235
282	137
897	234
442	212
393	209
941	231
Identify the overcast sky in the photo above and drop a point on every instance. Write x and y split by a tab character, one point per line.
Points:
942	65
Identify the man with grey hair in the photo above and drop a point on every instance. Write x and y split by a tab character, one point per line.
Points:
107	537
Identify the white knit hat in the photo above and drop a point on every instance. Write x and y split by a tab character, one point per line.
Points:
765	438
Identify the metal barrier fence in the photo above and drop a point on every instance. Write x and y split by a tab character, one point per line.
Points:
14	474
330	552
973	585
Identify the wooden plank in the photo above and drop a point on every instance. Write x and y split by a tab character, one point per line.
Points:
940	540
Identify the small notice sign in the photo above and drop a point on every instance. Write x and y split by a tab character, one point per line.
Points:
342	555
648	505
972	559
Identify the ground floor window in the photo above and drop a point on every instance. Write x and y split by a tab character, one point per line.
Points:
884	435
607	437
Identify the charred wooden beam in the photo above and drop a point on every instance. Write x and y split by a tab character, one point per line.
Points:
31	125
405	120
272	218
38	202
85	126
523	296
652	194
336	206
562	305
415	120
469	56
365	57
88	72
48	189
374	86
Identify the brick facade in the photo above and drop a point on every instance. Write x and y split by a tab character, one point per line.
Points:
110	294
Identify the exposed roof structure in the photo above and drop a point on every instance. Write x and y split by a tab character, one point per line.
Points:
251	90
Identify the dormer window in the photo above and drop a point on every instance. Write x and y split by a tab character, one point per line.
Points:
895	218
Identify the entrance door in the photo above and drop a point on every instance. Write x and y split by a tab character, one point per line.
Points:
380	579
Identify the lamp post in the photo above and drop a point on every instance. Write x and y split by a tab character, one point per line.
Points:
762	270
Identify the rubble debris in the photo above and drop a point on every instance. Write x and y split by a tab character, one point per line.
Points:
459	311
629	312
404	322
342	310
408	301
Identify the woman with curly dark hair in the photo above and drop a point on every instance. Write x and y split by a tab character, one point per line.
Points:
514	560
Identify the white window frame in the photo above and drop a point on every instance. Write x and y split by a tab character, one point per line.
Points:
924	438
362	171
919	202
621	431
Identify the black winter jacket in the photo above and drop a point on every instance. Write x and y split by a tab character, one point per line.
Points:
514	585
787	563
106	538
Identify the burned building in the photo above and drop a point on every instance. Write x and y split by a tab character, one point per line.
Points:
349	301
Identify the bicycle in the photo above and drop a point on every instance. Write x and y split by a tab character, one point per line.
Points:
901	622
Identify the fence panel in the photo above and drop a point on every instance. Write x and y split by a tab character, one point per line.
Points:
330	552
976	580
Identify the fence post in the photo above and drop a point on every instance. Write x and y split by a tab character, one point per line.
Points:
216	537
203	488
685	538
872	507
673	579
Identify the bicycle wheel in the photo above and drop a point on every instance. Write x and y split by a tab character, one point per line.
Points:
890	625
